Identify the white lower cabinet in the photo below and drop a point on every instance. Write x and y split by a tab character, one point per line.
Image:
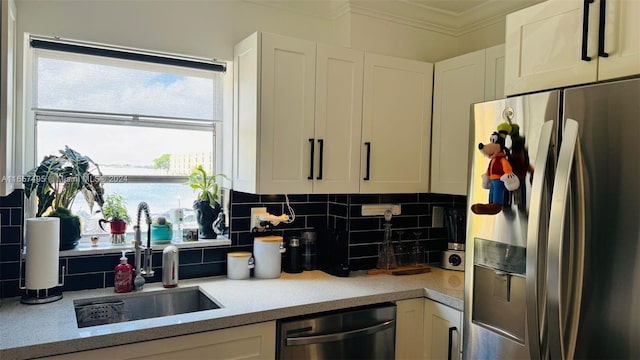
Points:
442	331
257	341
410	329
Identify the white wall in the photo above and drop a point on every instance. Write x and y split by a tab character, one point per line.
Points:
389	38
483	38
200	28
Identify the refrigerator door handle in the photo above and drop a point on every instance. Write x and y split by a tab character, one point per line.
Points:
563	311
536	243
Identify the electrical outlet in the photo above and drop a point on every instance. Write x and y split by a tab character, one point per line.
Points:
379	209
255	222
437	217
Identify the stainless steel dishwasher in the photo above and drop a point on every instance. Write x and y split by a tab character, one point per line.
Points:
358	333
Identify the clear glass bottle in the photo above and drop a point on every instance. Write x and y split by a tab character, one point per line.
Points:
402	251
387	256
417	251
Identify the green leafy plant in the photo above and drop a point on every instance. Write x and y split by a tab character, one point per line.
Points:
205	184
114	209
59	178
161	220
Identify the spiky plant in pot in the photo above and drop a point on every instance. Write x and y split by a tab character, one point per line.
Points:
206	206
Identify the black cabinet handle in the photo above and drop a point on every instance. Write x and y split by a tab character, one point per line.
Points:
450	350
321	160
312	143
368	145
585	29
603	16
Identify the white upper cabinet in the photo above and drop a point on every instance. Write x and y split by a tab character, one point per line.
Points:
561	43
274	106
494	73
304	123
621	40
338	120
396	125
459	82
297	116
7	95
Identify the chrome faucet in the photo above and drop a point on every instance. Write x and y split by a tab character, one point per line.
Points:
139	281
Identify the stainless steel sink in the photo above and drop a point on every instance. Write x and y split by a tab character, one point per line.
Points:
137	306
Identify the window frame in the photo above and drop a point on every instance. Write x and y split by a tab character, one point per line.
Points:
34	115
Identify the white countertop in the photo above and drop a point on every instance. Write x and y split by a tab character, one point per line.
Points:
39	330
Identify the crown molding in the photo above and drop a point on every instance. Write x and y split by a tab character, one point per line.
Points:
324	9
407	12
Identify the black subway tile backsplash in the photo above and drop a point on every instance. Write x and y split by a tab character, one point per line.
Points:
5	217
359	199
313	211
84	281
89	264
190	256
10	234
398	198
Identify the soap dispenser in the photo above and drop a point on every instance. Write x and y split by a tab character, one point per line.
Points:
123	281
170	266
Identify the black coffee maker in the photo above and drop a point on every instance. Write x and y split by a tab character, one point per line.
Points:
453	257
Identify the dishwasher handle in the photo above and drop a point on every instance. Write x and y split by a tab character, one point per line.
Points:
316	339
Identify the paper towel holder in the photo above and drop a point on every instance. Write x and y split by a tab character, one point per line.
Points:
39	296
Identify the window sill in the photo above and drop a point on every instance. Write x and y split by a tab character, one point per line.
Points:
104	246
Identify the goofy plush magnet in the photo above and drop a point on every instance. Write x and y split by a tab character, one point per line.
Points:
499	177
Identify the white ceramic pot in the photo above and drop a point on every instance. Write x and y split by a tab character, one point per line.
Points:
239	264
267	252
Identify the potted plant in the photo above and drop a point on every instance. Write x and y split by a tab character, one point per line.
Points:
115	213
206	206
56	182
161	230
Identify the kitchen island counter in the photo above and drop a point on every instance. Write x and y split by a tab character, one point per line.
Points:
29	331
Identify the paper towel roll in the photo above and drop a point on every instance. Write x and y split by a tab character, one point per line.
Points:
43	250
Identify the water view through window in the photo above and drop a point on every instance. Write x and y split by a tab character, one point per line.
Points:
146	125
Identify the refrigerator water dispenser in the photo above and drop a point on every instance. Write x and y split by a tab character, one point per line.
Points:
499	288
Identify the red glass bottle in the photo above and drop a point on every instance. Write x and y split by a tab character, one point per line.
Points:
123	281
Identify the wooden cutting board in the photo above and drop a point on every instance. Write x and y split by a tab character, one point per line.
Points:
401	270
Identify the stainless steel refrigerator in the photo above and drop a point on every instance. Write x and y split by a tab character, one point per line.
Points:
553	270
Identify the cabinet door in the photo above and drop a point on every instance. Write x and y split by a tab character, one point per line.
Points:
396	126
246	121
410	329
256	341
494	73
458	83
287	96
621	40
544	44
7	95
338	120
442	326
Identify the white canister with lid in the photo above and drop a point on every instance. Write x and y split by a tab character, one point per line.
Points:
267	252
239	264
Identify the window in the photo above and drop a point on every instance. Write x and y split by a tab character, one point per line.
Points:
145	118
